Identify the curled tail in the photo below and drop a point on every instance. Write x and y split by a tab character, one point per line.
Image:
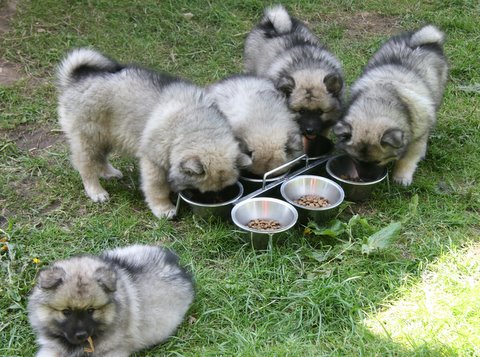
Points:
427	35
81	62
279	18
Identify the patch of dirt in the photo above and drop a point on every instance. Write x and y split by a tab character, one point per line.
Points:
34	139
7	10
9	72
365	24
25	188
51	206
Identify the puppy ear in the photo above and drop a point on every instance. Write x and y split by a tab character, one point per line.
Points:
392	137
51	278
334	83
107	278
286	84
342	130
192	166
242	144
243	160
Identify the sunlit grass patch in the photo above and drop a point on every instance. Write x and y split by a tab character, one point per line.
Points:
441	310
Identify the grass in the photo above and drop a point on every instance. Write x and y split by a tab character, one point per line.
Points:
311	296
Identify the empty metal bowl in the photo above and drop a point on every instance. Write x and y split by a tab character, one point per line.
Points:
302	185
357	179
264	208
217	204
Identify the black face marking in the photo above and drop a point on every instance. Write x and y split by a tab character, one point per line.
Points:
311	122
78	326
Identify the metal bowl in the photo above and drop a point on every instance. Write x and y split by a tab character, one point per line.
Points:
302	185
253	182
217	204
263	208
357	179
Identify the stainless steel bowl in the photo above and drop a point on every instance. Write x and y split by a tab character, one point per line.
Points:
263	208
253	182
216	204
302	185
341	168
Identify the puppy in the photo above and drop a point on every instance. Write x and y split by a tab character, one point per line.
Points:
179	136
260	119
113	305
284	49
394	103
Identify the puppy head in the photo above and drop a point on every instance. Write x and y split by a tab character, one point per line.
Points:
379	141
316	96
208	168
269	149
73	300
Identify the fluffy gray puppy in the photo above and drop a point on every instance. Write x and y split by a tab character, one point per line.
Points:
123	301
394	103
284	49
260	119
177	133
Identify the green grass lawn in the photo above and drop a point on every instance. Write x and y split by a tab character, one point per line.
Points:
313	296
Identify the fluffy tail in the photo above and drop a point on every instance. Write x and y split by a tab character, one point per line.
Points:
279	18
427	35
83	61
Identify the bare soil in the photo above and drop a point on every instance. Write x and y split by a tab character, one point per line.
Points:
34	139
9	72
367	24
361	25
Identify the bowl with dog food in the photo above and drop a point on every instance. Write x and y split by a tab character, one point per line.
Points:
207	204
314	197
358	179
263	220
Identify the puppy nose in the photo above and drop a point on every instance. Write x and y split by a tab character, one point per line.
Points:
309	131
81	335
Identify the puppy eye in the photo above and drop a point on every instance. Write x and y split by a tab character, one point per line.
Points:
66	312
302	111
90	311
249	153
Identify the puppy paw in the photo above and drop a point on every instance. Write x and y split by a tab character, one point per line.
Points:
112	173
405	181
403	172
164	211
97	195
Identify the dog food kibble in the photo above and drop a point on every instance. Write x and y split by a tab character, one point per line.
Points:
313	201
264	224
